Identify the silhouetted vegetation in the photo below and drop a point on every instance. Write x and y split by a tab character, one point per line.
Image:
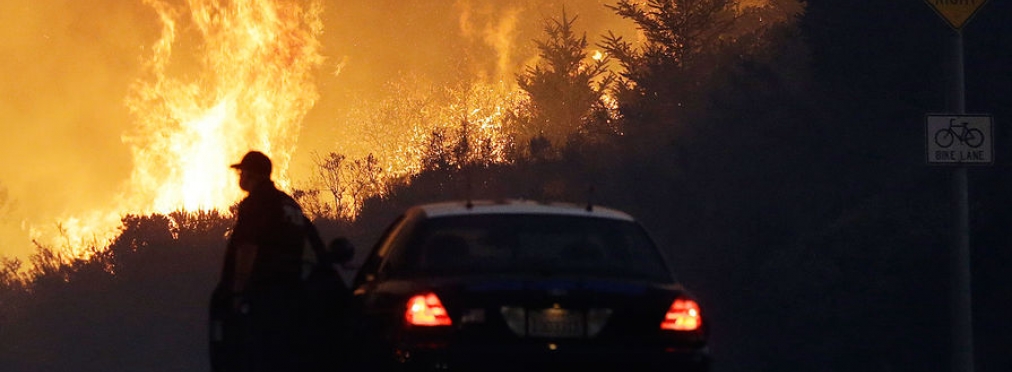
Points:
139	304
811	249
567	93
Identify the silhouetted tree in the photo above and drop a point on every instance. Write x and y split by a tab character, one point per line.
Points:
436	155
539	148
330	171
667	78
367	180
13	289
10	272
565	86
462	147
48	265
312	206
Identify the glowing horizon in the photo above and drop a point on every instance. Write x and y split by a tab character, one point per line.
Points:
124	108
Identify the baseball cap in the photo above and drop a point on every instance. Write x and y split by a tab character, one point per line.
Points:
254	161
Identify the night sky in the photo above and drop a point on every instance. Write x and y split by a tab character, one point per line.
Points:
894	58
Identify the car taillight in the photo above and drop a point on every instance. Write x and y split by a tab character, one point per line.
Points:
426	310
683	315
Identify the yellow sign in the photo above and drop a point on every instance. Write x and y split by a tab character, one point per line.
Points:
956	12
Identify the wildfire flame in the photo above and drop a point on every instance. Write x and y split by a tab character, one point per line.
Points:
224	77
220	77
249	88
252	91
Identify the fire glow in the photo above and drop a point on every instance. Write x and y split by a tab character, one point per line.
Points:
191	85
252	88
249	88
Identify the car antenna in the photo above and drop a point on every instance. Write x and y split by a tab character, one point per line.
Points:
467	190
466	167
590	198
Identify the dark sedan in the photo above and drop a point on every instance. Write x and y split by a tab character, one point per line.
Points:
517	285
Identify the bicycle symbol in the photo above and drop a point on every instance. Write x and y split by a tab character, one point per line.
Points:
972	137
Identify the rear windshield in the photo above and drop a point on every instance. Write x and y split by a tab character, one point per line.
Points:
529	244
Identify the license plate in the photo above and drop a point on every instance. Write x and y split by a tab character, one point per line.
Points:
556	323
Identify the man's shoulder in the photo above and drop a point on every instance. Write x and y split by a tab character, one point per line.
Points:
277	200
267	195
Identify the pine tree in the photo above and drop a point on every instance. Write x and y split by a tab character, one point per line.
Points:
565	86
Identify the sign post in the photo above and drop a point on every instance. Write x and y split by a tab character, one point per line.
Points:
957	13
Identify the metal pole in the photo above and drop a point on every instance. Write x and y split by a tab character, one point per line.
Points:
962	305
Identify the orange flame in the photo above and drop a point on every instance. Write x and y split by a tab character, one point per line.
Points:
249	88
401	128
253	88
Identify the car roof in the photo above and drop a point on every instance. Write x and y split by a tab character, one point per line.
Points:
516	206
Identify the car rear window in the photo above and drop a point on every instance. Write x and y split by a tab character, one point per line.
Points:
529	244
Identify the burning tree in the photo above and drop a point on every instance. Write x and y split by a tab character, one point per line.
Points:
481	116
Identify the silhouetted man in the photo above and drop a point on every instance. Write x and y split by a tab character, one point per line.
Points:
258	305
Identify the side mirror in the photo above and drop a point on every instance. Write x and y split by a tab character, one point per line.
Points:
342	250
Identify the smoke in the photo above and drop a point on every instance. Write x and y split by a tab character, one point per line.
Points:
64	70
376	45
67	69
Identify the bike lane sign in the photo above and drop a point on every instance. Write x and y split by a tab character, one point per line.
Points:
959	139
